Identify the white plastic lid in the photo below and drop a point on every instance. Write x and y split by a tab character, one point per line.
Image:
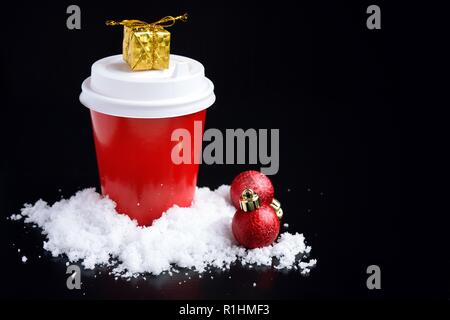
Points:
114	89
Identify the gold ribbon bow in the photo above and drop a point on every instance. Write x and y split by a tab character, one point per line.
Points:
163	22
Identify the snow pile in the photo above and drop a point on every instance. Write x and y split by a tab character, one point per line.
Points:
87	228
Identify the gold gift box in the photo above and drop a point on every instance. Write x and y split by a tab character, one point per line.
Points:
146	46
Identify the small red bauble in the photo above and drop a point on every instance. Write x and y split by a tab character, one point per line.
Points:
254	225
254	180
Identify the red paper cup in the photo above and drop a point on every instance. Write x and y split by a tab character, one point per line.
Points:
134	115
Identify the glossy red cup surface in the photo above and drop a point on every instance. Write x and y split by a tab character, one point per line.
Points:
135	165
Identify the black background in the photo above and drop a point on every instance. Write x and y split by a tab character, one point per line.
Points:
336	90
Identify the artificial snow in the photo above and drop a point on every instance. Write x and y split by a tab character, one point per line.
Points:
88	229
24	259
305	267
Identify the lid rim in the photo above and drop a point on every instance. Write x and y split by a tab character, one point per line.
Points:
143	109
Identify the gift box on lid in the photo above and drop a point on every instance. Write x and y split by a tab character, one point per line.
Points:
146	46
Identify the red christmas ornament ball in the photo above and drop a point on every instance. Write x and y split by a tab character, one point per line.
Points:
254	180
256	229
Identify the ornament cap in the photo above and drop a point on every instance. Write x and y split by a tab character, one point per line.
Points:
276	205
249	200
